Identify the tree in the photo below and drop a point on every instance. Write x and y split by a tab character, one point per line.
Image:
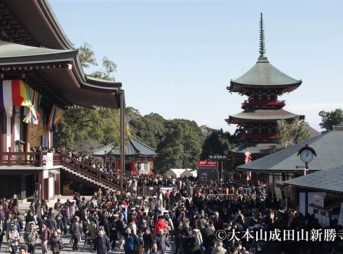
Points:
82	127
149	128
87	56
218	142
289	133
181	146
132	114
330	119
108	68
170	150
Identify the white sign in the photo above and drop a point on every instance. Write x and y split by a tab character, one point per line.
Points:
49	160
45	174
165	189
318	200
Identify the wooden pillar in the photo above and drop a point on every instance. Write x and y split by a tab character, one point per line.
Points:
46	188
41	185
306	203
22	186
3	145
57	184
122	138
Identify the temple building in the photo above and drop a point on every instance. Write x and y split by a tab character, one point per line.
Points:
40	76
138	157
262	84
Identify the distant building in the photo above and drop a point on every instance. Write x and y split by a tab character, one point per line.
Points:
138	156
321	194
286	166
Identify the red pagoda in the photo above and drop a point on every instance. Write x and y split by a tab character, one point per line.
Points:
263	83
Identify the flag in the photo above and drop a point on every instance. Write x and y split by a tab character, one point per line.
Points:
6	97
248	159
51	117
2	106
17	99
16	93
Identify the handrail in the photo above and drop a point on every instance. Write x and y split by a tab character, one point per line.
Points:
85	169
22	158
255	103
37	159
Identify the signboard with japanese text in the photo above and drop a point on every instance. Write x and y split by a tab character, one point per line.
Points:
207	164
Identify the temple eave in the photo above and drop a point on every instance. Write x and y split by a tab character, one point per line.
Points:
243	88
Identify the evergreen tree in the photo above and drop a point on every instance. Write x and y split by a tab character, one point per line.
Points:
330	119
289	133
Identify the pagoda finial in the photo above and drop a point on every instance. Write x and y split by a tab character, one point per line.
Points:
262	46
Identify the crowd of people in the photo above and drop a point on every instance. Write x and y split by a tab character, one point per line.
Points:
182	219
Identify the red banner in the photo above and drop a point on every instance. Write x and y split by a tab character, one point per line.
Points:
207	164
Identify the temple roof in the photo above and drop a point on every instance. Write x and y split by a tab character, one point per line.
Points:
62	75
328	147
262	115
13	53
331	180
134	147
263	74
32	22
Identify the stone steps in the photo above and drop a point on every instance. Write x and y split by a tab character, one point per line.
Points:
87	178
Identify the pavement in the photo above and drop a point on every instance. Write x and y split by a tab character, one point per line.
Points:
67	248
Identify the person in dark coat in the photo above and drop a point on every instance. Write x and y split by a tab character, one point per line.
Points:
102	243
51	222
76	230
208	236
148	240
130	243
55	243
161	242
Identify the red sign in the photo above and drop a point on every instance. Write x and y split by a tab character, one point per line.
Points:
207	164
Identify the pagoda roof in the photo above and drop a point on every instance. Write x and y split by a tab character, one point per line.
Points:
257	148
328	147
32	22
264	75
262	115
62	75
133	147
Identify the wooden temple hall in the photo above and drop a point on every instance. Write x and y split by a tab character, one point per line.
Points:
40	76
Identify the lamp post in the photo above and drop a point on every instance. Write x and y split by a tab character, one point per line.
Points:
220	158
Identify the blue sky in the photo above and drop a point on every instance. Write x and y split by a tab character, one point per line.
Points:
176	57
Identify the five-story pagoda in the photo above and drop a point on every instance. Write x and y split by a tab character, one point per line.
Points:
263	83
